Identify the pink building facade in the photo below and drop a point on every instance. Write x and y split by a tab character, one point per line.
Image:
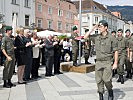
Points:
56	15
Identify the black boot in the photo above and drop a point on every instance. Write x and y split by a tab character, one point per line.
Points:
10	83
113	72
6	84
130	75
119	79
110	95
122	79
127	76
75	64
100	96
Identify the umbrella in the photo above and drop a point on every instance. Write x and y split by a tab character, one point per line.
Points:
47	33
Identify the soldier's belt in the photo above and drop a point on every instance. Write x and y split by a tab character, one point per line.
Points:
104	59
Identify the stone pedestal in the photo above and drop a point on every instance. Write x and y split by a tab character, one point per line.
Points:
83	68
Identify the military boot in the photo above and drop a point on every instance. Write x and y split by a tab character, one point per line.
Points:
119	79
10	83
122	79
110	95
100	96
130	75
75	64
6	85
127	76
86	62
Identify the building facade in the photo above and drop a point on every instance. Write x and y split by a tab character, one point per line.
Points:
93	12
21	12
57	15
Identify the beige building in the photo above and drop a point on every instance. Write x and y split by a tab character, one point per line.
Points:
93	12
56	15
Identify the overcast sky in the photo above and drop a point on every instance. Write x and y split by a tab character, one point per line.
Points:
115	2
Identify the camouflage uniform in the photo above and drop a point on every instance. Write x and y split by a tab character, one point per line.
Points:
122	57
75	46
87	50
8	46
127	63
105	48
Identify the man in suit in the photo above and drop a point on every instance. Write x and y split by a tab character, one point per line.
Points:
49	49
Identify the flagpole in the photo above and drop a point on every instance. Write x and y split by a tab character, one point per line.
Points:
80	18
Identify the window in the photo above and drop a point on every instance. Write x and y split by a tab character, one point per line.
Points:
49	24
67	16
60	12
15	18
27	2
40	7
39	23
85	19
59	25
49	10
67	27
26	20
14	2
96	20
69	7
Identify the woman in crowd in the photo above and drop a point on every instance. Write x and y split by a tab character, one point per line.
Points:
36	57
20	54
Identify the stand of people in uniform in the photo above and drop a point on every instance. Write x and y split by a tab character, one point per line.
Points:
113	53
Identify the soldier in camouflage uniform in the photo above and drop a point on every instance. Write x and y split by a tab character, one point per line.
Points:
87	48
106	47
128	64
131	57
114	70
122	55
75	45
7	48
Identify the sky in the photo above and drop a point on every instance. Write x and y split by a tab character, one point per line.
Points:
114	2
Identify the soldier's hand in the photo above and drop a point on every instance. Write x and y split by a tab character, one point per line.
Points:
114	66
9	58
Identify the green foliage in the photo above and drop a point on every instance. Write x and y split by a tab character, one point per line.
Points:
62	37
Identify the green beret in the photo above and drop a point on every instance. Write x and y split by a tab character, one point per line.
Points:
8	28
86	30
103	22
74	28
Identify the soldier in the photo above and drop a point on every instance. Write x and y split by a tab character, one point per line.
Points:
114	70
128	64
75	45
7	48
131	54
87	48
122	55
113	33
106	46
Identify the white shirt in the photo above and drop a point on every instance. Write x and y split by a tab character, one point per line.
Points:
35	48
65	45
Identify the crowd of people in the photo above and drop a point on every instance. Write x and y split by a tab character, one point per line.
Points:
24	51
113	55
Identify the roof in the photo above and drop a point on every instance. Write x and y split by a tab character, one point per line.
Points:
90	5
